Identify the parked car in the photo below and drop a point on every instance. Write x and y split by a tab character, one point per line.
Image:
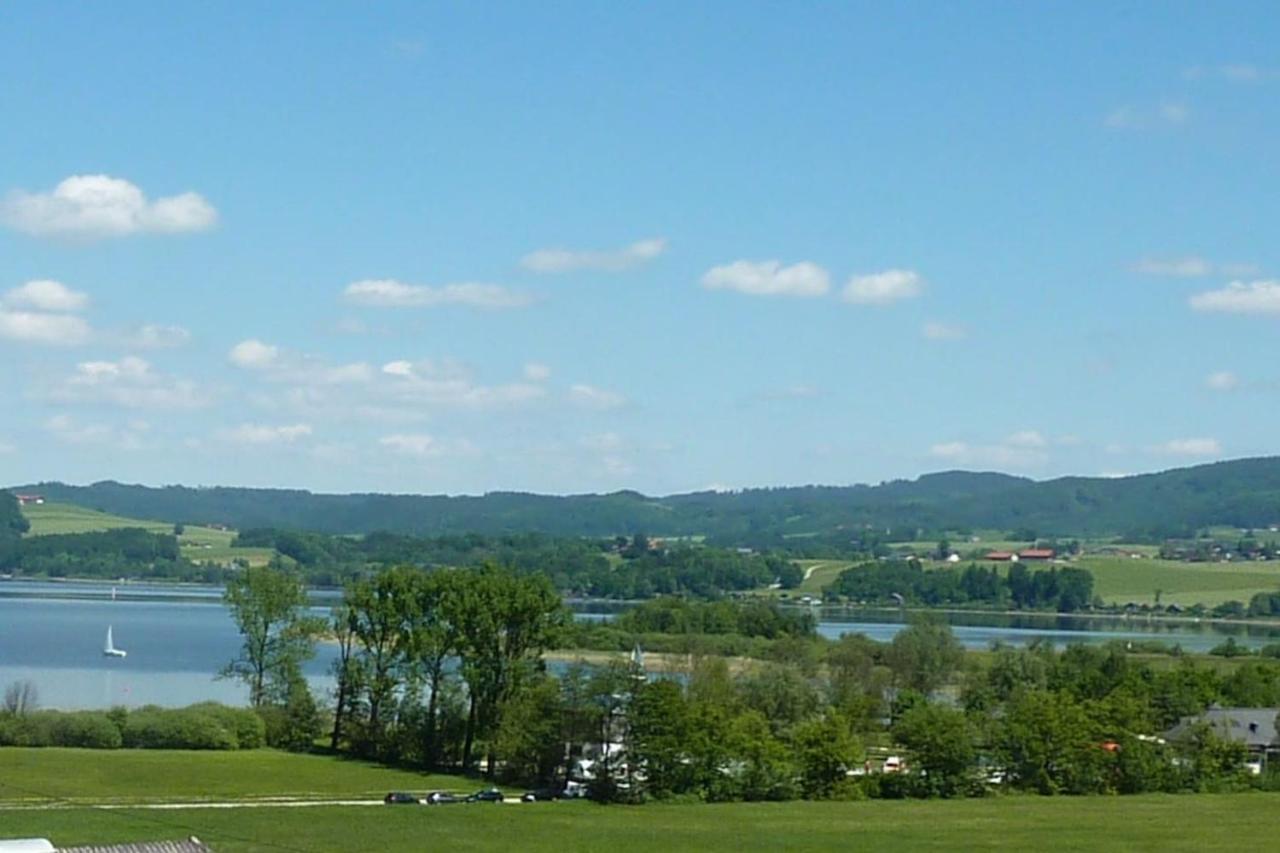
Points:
487	795
442	798
398	798
540	795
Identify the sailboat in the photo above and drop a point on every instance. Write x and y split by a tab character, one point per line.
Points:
110	650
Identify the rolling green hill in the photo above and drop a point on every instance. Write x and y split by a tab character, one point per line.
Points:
1240	493
199	544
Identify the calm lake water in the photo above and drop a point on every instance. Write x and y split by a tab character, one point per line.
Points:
179	637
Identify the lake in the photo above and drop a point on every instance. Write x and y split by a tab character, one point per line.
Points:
178	637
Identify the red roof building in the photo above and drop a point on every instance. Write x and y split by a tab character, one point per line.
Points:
1036	554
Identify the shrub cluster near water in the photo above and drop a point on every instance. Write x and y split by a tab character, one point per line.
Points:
207	725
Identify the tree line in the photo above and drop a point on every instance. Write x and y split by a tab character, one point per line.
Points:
428	661
444	670
1064	590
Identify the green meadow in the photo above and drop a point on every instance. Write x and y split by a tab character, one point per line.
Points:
200	544
71	780
1120	580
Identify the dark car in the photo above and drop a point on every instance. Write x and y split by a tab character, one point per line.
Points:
397	798
488	795
442	798
540	795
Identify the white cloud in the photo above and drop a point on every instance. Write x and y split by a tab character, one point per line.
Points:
883	288
1185	267
48	329
412	445
388	293
89	206
278	365
1238	297
1023	449
265	434
254	354
130	383
769	278
46	295
156	336
1027	439
69	431
1222	380
6	447
1189	266
535	372
1164	114
590	397
936	331
1195	447
568	260
604	442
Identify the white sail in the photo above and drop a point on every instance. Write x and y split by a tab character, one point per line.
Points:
110	649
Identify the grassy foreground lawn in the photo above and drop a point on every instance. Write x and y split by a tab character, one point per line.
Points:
142	775
128	777
1165	823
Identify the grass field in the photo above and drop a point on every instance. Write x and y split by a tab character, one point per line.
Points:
139	775
819	573
201	544
1120	580
1167	823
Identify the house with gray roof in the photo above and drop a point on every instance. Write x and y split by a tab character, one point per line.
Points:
1253	727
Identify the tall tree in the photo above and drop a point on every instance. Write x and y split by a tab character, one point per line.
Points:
383	608
268	605
924	655
508	620
434	636
346	670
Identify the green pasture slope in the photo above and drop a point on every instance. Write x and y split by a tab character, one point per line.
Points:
200	544
1120	580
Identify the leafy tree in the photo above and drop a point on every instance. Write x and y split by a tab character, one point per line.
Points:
826	750
767	771
268	605
940	742
659	721
507	621
924	655
348	674
1049	744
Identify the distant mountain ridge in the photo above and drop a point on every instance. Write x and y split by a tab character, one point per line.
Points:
1243	492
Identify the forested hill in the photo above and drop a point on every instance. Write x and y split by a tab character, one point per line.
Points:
12	522
1243	492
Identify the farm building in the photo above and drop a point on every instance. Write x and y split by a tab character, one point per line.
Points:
30	500
1001	556
1036	554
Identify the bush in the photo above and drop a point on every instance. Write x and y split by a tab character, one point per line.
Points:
87	729
183	728
247	725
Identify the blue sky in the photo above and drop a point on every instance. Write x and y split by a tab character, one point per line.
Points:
571	247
